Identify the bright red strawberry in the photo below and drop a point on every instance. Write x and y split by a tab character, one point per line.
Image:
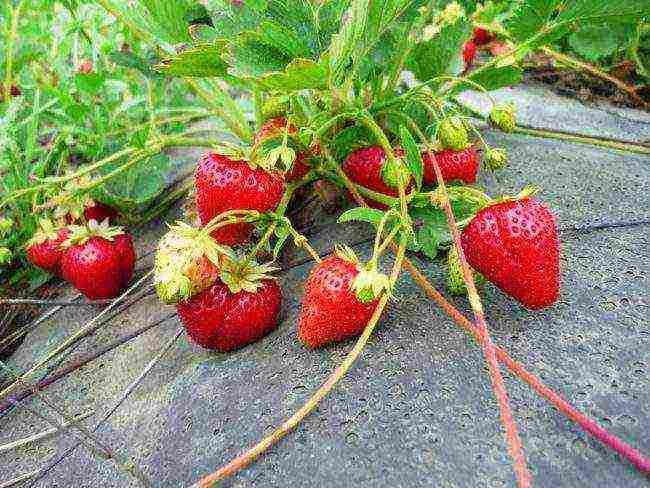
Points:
98	260
454	165
99	212
221	320
469	53
514	244
274	127
481	37
366	167
331	311
224	184
44	249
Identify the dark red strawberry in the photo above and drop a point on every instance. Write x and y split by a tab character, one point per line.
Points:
224	184
514	244
15	91
469	53
99	212
481	37
44	249
221	320
454	165
274	127
98	260
366	167
331	311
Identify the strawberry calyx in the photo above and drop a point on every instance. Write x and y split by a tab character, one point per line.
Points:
73	207
369	283
244	275
47	230
180	269
526	192
80	234
464	193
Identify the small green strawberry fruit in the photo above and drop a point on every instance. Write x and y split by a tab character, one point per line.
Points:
455	282
452	134
503	117
495	159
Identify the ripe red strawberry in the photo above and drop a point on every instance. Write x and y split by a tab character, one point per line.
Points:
221	320
454	165
331	311
366	167
224	184
44	249
86	66
481	37
98	260
274	127
99	212
514	244
469	53
15	91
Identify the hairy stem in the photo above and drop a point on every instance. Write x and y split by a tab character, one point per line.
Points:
515	448
595	71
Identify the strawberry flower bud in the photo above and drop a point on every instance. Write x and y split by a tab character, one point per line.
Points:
452	134
503	117
495	159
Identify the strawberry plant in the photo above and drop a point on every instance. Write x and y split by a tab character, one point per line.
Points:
360	94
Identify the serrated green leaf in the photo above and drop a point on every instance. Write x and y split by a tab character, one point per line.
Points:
130	60
203	60
351	138
171	18
594	10
413	156
594	41
232	18
251	56
531	16
442	54
431	229
89	82
362	214
300	74
494	78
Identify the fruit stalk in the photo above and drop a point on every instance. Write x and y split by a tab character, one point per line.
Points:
9	56
250	455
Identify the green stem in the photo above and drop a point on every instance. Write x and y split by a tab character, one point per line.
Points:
9	51
564	136
373	195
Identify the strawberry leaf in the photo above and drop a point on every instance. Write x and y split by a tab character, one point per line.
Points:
300	74
413	157
252	55
203	60
430	224
531	16
594	41
494	78
170	18
442	54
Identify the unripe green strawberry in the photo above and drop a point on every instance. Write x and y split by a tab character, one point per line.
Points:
187	262
455	281
503	117
495	159
5	256
452	134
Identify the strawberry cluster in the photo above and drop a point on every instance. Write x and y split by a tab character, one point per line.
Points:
226	299
96	258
